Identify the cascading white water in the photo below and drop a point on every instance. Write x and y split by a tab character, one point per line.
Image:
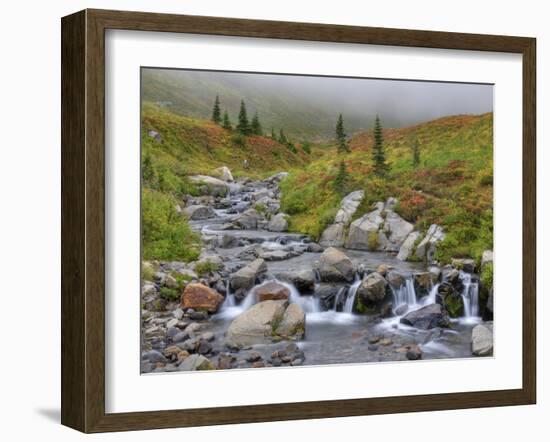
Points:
338	297
470	295
405	295
431	298
352	291
229	297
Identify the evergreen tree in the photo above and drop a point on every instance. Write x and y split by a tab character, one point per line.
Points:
416	153
341	136
273	136
216	111
242	126
226	122
378	152
341	179
282	137
255	126
147	170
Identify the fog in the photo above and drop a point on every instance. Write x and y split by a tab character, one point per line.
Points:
400	100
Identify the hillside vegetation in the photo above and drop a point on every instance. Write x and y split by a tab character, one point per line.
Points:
451	185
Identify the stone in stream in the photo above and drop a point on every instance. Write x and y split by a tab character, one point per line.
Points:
464	264
249	219
423	283
395	279
414	353
278	223
199	212
333	235
303	280
482	340
227	241
293	322
246	277
153	356
210	185
373	288
314	248
430	316
278	255
201	297
335	266
427	247
196	362
271	291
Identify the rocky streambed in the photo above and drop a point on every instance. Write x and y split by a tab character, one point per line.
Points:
260	296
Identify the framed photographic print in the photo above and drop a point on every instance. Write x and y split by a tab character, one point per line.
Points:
277	220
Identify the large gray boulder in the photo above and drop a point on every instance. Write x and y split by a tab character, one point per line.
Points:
430	316
249	219
406	249
210	185
257	324
348	206
427	247
333	236
224	173
335	266
482	340
196	362
197	212
278	223
246	277
380	229
373	288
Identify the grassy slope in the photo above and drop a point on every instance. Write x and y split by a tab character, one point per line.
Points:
452	186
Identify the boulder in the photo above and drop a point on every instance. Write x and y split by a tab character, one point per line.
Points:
363	232
303	280
246	277
198	212
278	255
395	279
423	282
256	325
210	185
482	340
333	236
224	173
201	297
278	223
314	248
271	291
277	178
486	258
466	265
348	207
398	230
196	362
155	136
406	249
293	322
427	247
430	316
373	288
335	266
249	219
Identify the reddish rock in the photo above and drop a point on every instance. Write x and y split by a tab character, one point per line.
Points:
201	297
271	291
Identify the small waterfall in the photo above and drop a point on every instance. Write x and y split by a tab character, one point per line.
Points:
470	295
229	297
352	291
405	294
338	297
431	298
317	275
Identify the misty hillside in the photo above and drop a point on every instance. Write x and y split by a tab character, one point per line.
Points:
307	107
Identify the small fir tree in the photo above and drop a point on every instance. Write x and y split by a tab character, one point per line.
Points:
378	152
226	121
243	126
273	136
282	137
216	111
341	179
341	136
255	126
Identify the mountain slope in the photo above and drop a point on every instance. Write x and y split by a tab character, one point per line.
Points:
452	186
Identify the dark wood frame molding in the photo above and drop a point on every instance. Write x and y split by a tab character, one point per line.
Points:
83	215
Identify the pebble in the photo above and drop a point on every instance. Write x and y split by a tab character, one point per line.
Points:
374	339
208	336
178	313
172	323
253	356
180	337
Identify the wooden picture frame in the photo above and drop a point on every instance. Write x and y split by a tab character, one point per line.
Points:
83	219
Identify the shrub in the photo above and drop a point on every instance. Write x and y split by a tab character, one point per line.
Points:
169	294
238	140
166	235
206	267
486	276
372	240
